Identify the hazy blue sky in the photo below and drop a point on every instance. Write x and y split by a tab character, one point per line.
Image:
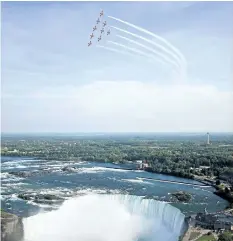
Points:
51	80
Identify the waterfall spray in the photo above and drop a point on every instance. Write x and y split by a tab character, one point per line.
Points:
107	218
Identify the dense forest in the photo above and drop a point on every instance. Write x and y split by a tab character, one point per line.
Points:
180	155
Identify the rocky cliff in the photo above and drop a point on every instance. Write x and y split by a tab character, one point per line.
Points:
11	227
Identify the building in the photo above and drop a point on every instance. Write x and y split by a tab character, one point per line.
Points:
219	225
205	220
143	165
211	221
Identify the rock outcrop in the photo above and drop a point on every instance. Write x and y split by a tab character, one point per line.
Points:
42	198
11	227
182	196
26	174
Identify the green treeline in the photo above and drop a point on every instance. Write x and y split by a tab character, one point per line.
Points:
177	156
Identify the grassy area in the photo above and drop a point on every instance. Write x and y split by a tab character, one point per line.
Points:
193	235
207	238
226	236
6	215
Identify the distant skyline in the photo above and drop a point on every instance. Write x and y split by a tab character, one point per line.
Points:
52	82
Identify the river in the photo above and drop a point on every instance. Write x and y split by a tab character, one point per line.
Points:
134	188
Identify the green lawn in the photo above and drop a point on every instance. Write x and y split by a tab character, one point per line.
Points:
207	238
193	235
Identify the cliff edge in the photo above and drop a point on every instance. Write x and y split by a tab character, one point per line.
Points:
11	227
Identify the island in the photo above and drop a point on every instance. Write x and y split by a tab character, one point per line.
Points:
182	196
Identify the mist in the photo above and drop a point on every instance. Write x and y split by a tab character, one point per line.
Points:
106	218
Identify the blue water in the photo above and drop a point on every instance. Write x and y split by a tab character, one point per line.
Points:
94	178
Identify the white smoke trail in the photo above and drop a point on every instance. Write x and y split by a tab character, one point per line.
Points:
139	52
174	49
116	50
125	53
150	49
153	43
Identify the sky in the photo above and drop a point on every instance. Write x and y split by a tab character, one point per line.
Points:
179	80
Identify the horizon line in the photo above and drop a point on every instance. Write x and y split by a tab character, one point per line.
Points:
117	132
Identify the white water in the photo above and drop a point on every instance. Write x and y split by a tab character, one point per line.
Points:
106	218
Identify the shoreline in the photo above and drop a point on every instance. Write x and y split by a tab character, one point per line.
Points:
206	182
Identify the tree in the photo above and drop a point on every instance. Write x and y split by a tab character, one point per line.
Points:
218	182
226	236
227	190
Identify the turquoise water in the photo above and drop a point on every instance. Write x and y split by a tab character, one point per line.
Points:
93	178
97	202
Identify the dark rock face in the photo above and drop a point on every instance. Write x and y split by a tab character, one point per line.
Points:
11	227
21	174
69	169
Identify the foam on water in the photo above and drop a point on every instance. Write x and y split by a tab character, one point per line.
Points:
17	167
4	175
15	184
99	169
7	177
138	180
101	217
17	162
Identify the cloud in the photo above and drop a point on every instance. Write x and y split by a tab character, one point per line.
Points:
124	106
52	82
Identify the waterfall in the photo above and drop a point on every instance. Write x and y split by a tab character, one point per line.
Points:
102	217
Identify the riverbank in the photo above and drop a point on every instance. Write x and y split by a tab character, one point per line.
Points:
222	190
204	179
225	194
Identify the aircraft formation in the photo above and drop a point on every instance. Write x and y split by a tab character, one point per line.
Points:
157	49
101	26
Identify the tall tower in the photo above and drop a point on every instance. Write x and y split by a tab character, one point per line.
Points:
208	138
